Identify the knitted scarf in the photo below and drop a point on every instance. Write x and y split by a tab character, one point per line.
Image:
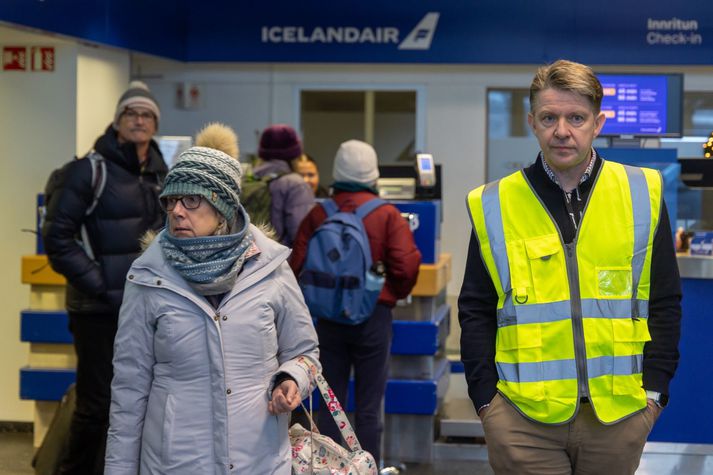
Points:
210	264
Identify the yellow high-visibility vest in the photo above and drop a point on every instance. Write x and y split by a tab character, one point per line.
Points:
572	318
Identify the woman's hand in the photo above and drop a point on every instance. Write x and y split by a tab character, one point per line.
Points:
285	397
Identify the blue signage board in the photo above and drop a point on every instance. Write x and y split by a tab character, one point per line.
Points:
448	31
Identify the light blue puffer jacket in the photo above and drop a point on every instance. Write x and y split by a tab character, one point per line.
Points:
191	383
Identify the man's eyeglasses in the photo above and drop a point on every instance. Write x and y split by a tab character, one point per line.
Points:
134	115
188	201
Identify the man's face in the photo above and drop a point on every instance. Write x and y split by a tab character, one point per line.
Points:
137	125
565	126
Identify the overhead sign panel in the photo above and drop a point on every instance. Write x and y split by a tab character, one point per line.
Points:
446	31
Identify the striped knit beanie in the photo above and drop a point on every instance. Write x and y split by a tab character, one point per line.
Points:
137	95
210	173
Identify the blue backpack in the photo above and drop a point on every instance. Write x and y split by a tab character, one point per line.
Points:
336	279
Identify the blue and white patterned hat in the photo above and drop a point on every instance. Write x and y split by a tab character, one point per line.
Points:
210	173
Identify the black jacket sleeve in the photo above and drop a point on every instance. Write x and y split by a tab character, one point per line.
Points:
66	210
661	353
477	314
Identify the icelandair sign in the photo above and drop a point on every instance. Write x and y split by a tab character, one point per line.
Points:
647	32
419	38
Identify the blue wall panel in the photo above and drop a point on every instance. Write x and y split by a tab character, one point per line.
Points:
688	419
45	384
413	337
39	326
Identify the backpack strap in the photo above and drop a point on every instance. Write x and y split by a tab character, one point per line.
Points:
98	178
270	177
368	207
96	160
330	207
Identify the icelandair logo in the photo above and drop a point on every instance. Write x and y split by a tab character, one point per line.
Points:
418	39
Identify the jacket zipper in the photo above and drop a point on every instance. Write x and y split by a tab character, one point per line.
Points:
575	299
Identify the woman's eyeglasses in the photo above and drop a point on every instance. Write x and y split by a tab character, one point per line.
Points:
188	201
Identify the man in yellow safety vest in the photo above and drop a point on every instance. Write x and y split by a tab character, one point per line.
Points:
570	306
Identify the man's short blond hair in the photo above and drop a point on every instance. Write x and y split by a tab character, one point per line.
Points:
568	76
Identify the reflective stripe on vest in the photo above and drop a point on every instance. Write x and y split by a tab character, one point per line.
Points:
566	369
532	272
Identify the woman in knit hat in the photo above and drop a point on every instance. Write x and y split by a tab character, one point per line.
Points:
291	197
212	333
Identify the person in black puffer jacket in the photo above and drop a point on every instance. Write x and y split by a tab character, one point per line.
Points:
126	209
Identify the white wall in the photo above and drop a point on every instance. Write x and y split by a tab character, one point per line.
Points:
37	126
102	76
39	131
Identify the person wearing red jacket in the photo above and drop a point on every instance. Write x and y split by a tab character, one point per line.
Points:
365	346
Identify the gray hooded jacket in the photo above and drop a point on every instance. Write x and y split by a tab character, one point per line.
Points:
292	199
191	382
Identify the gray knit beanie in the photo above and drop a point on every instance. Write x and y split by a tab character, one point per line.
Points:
356	162
137	95
210	173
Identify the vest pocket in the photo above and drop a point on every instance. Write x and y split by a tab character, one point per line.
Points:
614	282
519	362
629	338
547	267
630	331
516	337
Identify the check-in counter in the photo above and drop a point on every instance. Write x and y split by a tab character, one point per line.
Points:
688	419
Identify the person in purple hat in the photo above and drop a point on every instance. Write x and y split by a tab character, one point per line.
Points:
292	198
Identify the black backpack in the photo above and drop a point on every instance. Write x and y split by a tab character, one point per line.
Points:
56	180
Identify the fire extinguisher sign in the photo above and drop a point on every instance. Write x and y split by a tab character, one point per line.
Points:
42	58
14	58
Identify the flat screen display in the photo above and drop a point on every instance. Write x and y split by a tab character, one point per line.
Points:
642	105
426	164
172	146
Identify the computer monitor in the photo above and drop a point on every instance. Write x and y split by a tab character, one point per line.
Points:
171	146
642	105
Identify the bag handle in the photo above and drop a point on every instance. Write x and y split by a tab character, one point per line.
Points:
332	405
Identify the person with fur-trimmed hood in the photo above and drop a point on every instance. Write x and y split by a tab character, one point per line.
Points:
214	335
